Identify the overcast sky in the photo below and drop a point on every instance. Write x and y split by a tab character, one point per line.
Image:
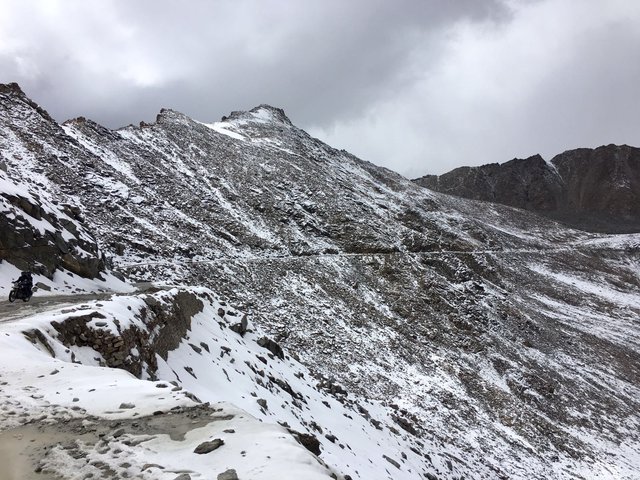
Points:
418	86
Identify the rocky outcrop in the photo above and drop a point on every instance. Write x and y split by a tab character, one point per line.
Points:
166	321
39	236
602	187
38	231
524	183
595	189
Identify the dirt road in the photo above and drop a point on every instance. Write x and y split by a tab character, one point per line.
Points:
43	303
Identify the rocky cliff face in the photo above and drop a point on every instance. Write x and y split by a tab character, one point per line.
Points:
503	344
595	189
524	183
603	183
39	231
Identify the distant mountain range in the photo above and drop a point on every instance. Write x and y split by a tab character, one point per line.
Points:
592	189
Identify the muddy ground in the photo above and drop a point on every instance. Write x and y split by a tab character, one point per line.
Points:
24	450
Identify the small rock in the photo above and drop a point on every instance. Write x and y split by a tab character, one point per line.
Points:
229	430
272	346
391	461
263	403
127	405
262	359
54	372
101	324
42	286
206	447
118	433
241	327
228	475
183	476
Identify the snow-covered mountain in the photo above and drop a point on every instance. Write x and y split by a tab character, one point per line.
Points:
449	338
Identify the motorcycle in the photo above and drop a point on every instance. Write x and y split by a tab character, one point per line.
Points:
18	292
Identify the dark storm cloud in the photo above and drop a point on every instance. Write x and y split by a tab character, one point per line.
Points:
414	85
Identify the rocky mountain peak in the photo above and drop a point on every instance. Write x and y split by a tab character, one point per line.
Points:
263	113
11	89
169	116
12	93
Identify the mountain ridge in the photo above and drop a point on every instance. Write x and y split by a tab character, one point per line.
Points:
593	189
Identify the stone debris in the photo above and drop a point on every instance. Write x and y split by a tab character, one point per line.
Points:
206	447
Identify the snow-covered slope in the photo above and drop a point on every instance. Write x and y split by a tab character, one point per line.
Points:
489	342
56	369
53	378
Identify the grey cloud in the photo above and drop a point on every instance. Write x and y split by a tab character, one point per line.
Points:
319	60
553	77
389	81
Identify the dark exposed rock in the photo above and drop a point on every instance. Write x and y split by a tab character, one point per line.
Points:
228	475
168	321
595	189
35	335
330	437
308	441
26	247
602	187
174	320
525	183
331	386
272	346
206	447
405	424
286	387
240	327
391	461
